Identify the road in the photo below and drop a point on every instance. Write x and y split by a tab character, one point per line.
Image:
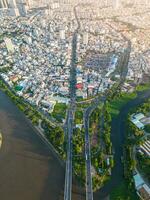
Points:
70	117
28	168
89	190
94	104
87	113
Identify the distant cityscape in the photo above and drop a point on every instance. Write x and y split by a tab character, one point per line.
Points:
21	7
70	62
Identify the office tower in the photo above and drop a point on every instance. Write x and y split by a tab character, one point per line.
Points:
15	7
12	3
116	4
12	6
37	3
3	4
62	34
22	7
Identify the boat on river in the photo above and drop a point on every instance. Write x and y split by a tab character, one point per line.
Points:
0	139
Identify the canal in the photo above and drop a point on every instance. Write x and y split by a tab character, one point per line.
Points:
118	133
28	168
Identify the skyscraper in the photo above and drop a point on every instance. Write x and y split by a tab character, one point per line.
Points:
22	6
13	10
12	3
3	4
116	4
15	7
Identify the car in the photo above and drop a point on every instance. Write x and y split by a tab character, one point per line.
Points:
86	157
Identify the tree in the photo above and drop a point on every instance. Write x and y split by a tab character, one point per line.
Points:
147	128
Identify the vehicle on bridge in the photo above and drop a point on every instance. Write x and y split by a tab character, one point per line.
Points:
86	157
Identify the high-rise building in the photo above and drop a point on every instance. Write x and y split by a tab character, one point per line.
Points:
62	34
3	4
12	3
15	7
13	10
22	7
116	4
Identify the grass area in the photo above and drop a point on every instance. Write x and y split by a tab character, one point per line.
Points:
147	128
144	166
54	134
59	112
143	87
100	180
1	37
79	116
123	192
116	104
83	106
79	99
5	69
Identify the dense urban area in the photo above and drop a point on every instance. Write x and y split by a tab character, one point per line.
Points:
80	72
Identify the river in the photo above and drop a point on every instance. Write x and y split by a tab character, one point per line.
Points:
118	133
29	170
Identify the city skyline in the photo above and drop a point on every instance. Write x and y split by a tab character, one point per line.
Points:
74	99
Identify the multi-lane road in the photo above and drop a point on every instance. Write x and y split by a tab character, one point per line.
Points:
70	118
68	175
87	113
89	190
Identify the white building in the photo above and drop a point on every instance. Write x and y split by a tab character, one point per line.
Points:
135	119
146	148
62	34
3	4
142	189
116	4
22	7
9	45
85	38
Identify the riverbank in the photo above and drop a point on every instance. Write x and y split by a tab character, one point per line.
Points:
32	113
29	170
118	133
